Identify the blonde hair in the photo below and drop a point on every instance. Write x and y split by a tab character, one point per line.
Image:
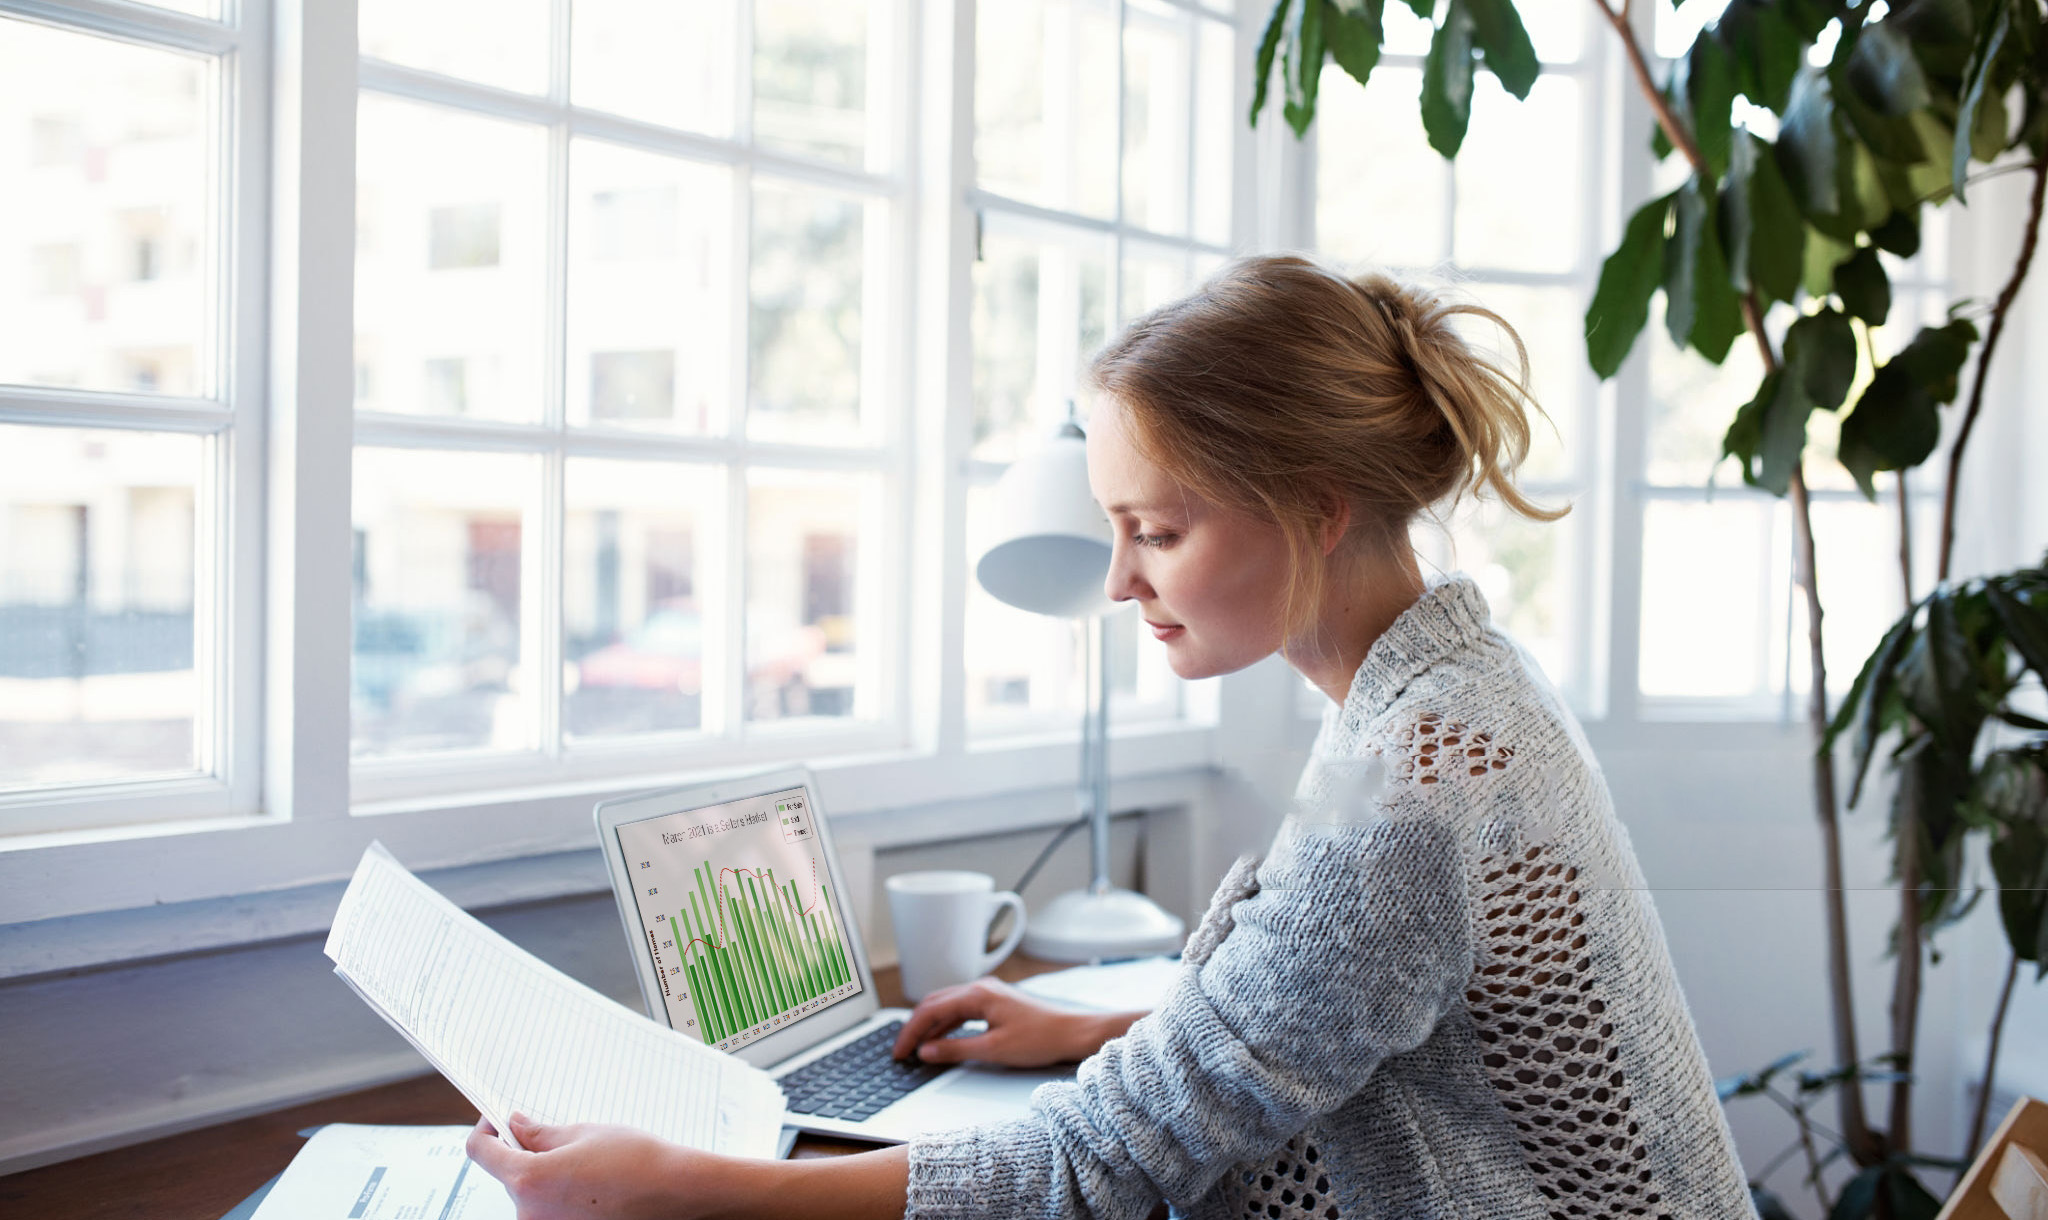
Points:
1282	388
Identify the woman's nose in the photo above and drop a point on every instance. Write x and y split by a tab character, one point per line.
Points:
1123	583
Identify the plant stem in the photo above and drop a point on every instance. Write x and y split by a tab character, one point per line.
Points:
2012	973
1820	1188
1999	312
1905	985
1864	1144
1905	544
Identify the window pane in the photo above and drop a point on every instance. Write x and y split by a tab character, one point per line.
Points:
440	551
804	336
1709	610
1692	403
811	77
1039	313
451	261
1215	130
649	303
1045	79
106	216
1157	58
97	555
1382	194
807	647
492	42
1521	177
1152	277
657	60
1861	590
1548	320
638	537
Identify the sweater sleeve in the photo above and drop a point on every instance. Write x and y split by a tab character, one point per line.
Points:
1354	946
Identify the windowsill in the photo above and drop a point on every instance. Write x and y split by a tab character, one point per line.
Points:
85	899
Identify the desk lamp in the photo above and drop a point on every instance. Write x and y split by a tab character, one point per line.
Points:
1050	556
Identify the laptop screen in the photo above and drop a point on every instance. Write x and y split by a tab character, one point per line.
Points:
737	909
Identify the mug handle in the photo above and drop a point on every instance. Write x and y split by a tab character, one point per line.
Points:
1005	898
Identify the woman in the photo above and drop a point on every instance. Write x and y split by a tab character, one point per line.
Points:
1444	992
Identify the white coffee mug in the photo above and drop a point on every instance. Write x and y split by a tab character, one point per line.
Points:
942	920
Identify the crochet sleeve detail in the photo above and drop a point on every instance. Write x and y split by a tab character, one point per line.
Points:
1351	949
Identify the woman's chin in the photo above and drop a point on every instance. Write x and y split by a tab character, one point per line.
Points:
1190	663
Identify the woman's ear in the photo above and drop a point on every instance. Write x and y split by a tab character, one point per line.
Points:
1336	523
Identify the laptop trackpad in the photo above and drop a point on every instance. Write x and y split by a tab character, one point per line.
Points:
970	1095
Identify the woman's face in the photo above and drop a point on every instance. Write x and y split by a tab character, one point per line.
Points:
1210	583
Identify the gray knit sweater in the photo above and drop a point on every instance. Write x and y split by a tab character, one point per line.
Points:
1443	993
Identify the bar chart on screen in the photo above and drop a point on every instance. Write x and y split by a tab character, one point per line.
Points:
745	932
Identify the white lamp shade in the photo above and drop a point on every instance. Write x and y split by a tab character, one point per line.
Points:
1050	553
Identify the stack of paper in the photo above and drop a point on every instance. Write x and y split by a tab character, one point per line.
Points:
350	1172
514	1033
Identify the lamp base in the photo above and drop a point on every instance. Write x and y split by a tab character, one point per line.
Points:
1084	926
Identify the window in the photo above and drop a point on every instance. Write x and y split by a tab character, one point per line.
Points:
628	426
1106	137
1384	198
125	543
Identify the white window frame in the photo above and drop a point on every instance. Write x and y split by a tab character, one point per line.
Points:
228	519
297	830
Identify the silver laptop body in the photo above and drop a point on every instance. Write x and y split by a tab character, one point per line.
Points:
731	898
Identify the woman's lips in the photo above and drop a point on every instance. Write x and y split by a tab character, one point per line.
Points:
1164	631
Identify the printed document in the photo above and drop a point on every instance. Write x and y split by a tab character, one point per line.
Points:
351	1172
514	1033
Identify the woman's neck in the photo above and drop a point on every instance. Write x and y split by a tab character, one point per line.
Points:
1362	599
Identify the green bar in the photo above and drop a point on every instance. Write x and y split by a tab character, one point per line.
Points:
764	956
809	944
785	972
745	962
832	928
817	924
810	923
721	973
800	976
705	1021
728	1016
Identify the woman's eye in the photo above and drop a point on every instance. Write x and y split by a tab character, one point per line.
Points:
1154	540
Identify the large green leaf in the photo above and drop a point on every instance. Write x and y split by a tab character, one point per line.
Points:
1353	34
1301	65
1821	348
1269	43
1768	434
1897	422
2012	787
1823	254
1899	234
1865	705
1621	301
1908	1198
1858	1200
1809	147
1765	237
1447	81
1765	47
1509	54
1710	98
1977	78
2026	627
1939	678
1861	283
1883	71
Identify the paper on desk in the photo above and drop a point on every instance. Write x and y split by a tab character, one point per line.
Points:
352	1172
1138	985
514	1033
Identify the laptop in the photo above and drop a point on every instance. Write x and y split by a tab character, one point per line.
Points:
741	934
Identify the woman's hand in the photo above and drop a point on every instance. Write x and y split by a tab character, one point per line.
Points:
583	1170
1022	1032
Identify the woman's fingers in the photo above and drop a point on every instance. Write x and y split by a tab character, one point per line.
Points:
489	1152
938	1014
538	1137
955	1050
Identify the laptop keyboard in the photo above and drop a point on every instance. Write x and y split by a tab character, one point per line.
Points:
857	1080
